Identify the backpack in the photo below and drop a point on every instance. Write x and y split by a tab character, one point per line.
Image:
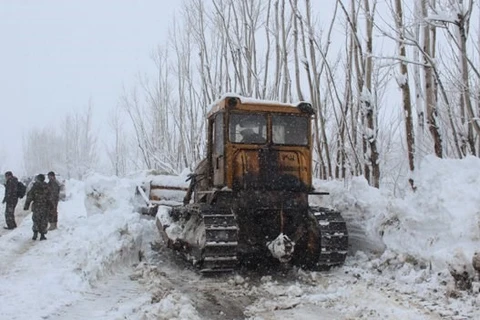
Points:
21	190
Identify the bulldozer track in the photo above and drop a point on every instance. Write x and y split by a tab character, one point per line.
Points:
333	237
220	252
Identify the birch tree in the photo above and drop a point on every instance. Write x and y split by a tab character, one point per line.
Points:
429	92
403	82
369	106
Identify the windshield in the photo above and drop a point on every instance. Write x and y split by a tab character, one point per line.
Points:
248	128
290	129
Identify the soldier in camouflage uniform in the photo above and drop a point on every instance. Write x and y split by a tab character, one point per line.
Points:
10	200
40	195
54	187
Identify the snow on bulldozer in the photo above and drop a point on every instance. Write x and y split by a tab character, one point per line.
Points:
160	189
247	202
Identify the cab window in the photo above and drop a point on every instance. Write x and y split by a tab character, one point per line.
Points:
290	130
248	128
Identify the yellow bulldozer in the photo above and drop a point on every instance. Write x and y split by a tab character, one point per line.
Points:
247	201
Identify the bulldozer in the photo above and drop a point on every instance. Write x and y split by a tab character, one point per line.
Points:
247	200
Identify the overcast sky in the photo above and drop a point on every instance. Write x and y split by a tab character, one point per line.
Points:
56	55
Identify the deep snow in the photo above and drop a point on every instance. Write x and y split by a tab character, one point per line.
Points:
106	261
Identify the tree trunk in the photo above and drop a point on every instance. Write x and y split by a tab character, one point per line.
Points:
431	104
370	106
405	87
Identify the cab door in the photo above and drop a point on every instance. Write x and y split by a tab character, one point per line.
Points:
218	150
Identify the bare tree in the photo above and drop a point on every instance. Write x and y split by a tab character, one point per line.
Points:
310	49
295	12
79	143
118	153
430	98
368	105
462	23
404	85
363	63
41	151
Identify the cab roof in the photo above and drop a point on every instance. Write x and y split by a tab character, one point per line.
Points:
235	102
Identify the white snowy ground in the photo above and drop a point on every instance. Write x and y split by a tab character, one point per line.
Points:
398	267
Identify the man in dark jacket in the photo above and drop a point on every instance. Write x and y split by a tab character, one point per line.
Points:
54	187
10	199
40	195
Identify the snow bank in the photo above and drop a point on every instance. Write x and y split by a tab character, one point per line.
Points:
437	222
86	247
442	218
108	193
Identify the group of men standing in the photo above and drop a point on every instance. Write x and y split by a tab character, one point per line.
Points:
43	195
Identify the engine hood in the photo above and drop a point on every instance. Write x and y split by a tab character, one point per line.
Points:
270	169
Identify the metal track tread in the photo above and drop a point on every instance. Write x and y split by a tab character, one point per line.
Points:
220	252
333	237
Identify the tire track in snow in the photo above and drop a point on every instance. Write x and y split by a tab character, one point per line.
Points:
114	297
214	298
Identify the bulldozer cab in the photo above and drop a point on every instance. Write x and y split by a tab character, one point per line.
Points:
258	145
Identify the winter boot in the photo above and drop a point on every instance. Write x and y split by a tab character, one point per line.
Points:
42	237
35	234
53	226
